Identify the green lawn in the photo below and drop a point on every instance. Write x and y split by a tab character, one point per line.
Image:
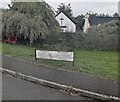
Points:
100	63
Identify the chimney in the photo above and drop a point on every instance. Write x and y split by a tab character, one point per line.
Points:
86	24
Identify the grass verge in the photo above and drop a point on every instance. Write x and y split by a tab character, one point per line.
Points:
99	63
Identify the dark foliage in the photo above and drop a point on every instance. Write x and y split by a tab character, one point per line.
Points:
30	21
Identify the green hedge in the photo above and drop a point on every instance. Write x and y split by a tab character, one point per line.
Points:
104	37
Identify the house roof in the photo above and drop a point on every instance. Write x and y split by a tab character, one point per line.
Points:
94	21
67	16
100	20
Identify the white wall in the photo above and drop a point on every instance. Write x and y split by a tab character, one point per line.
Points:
71	27
86	25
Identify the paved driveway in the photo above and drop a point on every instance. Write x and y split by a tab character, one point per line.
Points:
18	89
78	80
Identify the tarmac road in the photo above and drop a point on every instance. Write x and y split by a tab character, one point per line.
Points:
78	80
18	89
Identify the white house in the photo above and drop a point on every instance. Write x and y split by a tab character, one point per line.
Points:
66	23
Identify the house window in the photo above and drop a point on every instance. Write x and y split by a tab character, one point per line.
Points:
61	20
62	30
63	26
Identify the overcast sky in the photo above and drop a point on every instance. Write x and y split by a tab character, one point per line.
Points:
80	7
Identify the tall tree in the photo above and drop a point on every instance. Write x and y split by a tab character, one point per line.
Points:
29	20
67	9
116	15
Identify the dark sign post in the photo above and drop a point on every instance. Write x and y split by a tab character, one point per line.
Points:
35	56
74	59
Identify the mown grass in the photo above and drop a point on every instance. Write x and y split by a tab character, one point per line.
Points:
99	63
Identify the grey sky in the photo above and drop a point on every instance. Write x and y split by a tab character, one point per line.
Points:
80	7
84	7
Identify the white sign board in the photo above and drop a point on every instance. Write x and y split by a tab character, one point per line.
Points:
55	55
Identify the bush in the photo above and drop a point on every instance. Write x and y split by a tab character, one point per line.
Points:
104	37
